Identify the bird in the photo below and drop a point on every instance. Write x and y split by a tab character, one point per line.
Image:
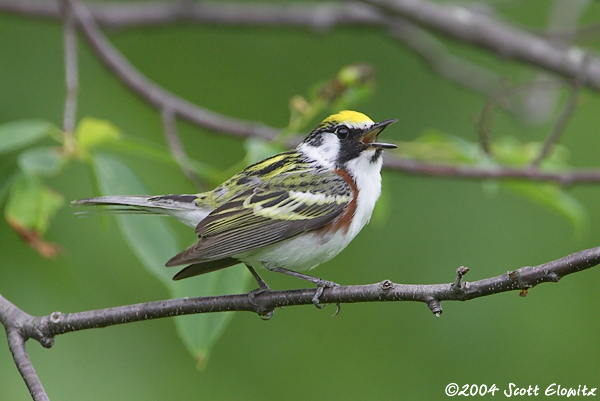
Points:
287	213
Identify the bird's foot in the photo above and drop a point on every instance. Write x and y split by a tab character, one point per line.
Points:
319	282
264	313
252	294
321	285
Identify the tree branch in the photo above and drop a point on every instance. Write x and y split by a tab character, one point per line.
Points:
453	21
499	98
316	16
169	123
453	68
559	126
319	16
71	70
155	94
16	344
264	303
20	327
507	41
529	173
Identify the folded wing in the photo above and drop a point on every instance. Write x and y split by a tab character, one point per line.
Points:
263	216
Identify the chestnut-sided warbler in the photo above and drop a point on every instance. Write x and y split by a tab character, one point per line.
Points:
287	213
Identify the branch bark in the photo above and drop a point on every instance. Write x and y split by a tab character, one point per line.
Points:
19	328
506	41
71	71
412	16
319	16
523	279
155	94
453	21
528	173
164	100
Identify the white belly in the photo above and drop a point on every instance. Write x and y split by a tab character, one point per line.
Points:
302	252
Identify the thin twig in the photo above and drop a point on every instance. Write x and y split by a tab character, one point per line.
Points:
559	126
71	70
20	327
439	59
16	344
510	42
318	16
174	142
453	21
163	99
154	93
564	178
457	286
170	129
566	113
485	119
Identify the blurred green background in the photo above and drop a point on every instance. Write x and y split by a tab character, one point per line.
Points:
430	227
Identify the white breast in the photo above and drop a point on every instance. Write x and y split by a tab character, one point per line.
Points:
367	176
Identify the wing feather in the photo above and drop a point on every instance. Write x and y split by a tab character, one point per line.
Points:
266	215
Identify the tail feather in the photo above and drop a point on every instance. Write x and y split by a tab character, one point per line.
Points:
182	207
132	200
206	267
177	202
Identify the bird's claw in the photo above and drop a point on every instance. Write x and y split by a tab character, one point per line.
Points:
321	285
266	315
262	312
315	299
252	294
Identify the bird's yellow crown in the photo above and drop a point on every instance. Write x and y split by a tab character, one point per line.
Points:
349	116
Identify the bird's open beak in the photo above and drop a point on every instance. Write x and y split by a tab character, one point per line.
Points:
370	137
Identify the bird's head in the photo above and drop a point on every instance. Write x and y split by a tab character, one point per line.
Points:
346	136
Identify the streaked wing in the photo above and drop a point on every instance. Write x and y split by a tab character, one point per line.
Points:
264	216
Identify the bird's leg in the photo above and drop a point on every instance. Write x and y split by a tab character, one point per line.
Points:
320	283
262	287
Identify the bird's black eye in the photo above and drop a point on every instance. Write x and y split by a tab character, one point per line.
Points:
342	132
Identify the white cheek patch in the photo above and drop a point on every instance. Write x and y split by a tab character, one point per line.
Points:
326	153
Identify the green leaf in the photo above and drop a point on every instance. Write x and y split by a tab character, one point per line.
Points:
154	242
555	198
31	204
200	332
92	132
6	185
20	134
46	161
439	147
509	151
